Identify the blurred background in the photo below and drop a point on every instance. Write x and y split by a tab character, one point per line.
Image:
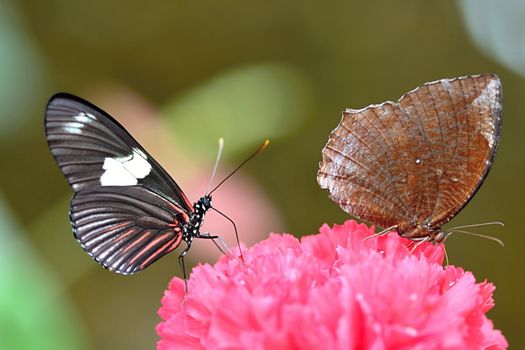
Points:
180	74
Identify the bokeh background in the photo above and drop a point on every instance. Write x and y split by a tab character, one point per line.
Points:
180	74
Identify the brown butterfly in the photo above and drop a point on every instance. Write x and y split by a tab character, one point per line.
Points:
412	165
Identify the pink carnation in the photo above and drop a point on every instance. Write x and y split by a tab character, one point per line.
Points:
332	291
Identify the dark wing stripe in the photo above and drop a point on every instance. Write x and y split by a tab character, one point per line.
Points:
141	254
100	232
75	168
123	236
88	212
81	150
92	226
114	253
87	138
107	249
113	211
97	134
67	122
140	200
130	249
147	247
149	251
81	177
135	244
88	219
85	160
105	235
154	255
121	257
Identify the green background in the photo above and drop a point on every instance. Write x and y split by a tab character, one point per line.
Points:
245	70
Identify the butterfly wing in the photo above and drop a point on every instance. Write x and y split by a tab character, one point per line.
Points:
127	211
460	120
124	228
360	163
417	161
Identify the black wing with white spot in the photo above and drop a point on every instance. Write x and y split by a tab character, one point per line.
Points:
127	211
92	149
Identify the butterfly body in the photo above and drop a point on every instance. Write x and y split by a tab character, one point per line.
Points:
191	228
126	211
422	232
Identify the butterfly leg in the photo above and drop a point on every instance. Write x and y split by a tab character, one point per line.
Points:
183	266
377	234
225	249
419	242
206	235
234	228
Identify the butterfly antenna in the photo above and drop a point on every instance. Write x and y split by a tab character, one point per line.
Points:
479	225
259	150
497	240
234	228
219	154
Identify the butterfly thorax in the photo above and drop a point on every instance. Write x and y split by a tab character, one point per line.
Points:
191	229
421	232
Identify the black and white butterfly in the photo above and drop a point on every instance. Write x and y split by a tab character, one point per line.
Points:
126	211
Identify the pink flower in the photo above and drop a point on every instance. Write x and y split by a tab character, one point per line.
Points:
331	291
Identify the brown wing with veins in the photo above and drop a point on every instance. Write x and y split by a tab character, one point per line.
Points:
417	161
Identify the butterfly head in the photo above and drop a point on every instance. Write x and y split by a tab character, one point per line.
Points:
423	231
199	210
440	236
205	203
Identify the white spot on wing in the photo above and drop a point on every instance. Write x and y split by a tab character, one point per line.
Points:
116	174
84	117
73	128
487	99
81	120
445	83
125	171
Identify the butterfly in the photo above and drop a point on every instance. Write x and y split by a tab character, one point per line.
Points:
126	211
412	165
